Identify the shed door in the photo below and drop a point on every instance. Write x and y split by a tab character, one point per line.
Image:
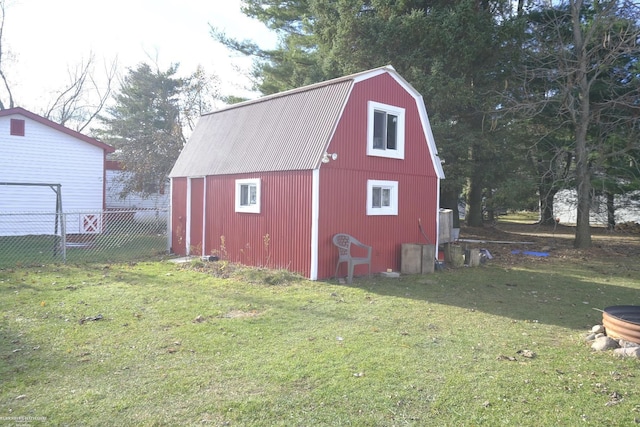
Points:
196	205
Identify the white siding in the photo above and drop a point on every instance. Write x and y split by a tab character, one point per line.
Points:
565	208
133	200
46	155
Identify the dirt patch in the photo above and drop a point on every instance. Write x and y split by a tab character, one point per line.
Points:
236	314
507	242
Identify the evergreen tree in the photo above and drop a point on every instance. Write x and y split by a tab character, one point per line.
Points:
448	50
144	126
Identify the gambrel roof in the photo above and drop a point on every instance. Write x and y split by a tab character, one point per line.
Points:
286	131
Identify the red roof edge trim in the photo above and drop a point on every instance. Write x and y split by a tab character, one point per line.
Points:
19	110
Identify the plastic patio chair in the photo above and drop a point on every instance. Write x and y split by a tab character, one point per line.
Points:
343	242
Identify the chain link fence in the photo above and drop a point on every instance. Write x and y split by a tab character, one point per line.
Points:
29	238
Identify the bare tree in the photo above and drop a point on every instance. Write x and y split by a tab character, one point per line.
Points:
5	82
198	97
78	103
579	70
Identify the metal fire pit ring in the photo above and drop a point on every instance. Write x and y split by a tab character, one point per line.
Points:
622	322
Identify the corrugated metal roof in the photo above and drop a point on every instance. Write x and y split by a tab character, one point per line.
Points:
287	131
281	132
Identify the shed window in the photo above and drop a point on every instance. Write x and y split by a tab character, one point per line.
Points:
382	197
17	127
248	195
385	130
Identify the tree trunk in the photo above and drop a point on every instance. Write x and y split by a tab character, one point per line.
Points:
493	211
474	217
546	205
611	211
581	119
583	228
474	202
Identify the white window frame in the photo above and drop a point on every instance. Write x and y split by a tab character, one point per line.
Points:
398	152
392	209
250	208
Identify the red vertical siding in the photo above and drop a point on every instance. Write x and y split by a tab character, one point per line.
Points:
278	237
343	183
178	215
346	211
195	230
350	138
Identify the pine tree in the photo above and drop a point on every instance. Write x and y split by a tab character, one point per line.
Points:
145	128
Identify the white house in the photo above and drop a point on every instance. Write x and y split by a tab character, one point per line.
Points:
565	205
37	157
134	200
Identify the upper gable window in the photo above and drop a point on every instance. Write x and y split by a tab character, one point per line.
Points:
385	130
382	197
17	127
248	195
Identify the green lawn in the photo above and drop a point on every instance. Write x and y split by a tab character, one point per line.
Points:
161	344
19	251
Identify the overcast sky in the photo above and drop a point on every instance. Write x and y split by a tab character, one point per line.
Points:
45	38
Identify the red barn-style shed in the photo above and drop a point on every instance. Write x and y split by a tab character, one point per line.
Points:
269	182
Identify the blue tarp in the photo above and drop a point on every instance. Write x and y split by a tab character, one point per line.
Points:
532	253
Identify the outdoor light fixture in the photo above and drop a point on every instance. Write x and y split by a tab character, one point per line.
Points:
327	157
